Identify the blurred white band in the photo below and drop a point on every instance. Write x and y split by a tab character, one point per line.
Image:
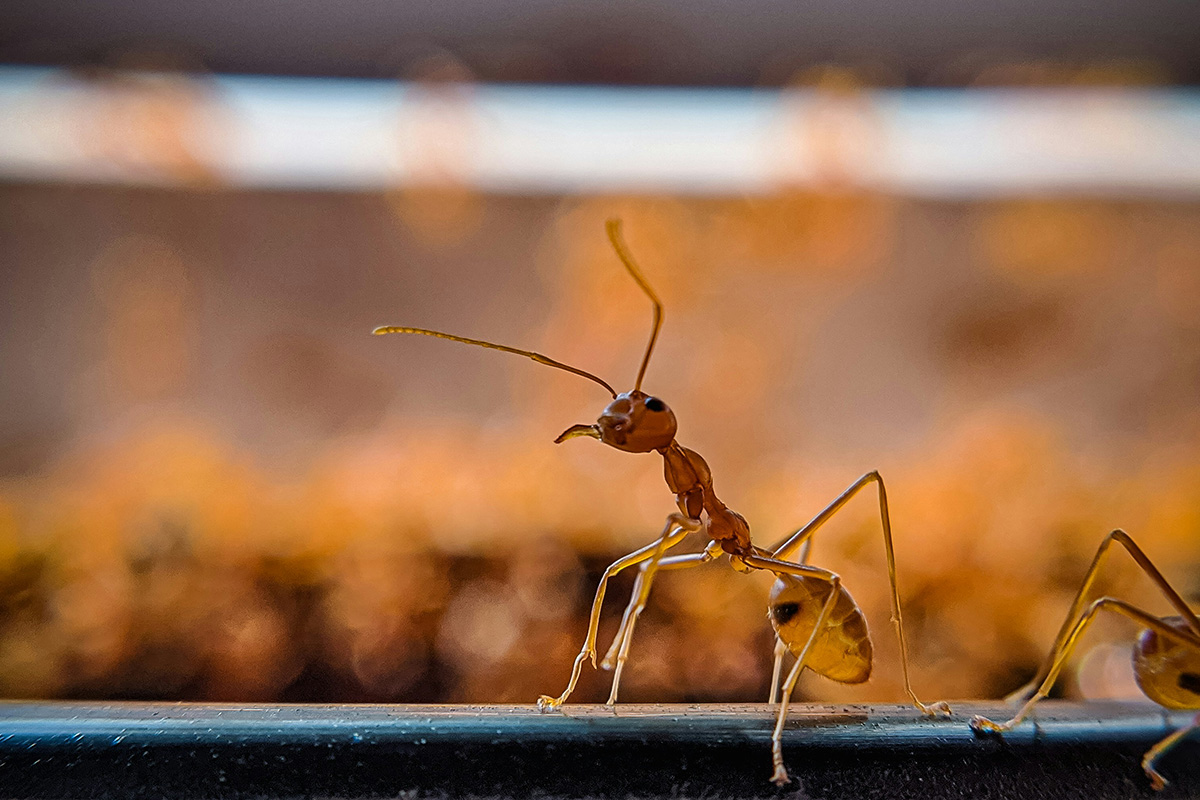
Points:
257	132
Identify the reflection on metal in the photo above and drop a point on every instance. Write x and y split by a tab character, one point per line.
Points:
194	750
343	134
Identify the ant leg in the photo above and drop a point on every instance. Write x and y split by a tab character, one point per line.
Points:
780	776
803	536
1154	753
623	629
785	547
1058	658
1120	537
711	551
786	568
674	531
780	647
641	593
610	657
776	671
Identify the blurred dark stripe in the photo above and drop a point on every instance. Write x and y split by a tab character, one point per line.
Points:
762	42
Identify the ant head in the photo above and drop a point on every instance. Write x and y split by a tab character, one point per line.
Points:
634	422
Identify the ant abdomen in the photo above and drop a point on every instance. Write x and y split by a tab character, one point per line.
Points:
842	651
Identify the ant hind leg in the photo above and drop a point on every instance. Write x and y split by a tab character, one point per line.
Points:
803	537
1022	694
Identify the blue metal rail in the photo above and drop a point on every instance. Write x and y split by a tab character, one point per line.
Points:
132	750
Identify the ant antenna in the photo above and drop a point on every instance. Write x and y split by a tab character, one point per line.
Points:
613	226
538	357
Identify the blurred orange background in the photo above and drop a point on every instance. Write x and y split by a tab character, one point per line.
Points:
215	484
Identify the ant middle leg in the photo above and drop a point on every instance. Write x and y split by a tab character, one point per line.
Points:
803	537
677	527
780	647
780	775
776	671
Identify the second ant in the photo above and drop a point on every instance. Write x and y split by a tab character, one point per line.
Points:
1166	658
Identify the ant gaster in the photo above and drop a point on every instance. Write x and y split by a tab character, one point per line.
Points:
813	615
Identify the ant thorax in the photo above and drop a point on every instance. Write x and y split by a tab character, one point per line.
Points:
689	477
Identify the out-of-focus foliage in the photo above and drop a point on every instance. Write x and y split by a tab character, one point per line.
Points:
216	484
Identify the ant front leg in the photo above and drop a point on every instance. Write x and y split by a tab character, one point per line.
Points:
802	537
1122	538
618	653
1062	652
677	527
1059	657
711	551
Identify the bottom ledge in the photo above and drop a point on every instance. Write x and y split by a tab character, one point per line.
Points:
188	750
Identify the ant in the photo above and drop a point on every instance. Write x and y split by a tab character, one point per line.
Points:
1166	659
813	615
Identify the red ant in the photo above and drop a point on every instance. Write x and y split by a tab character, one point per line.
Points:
813	615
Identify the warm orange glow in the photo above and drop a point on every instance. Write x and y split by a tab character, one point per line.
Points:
221	486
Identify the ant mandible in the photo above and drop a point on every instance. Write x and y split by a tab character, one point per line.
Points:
813	615
1166	659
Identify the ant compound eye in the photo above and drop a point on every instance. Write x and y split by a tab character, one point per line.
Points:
654	404
784	612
